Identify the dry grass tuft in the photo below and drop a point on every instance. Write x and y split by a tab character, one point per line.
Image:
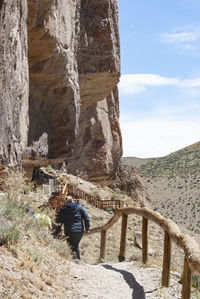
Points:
27	247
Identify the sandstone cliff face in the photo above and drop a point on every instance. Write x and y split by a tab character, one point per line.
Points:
99	144
14	81
74	69
54	89
66	70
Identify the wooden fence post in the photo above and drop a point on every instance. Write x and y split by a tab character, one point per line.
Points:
103	245
187	281
144	240
166	260
122	251
51	186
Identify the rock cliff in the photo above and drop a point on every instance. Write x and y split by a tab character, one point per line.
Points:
60	65
14	81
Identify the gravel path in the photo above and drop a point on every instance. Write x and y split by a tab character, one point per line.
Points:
120	281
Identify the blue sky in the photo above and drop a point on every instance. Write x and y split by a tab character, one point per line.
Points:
160	75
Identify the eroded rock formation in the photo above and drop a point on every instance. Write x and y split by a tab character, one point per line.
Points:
74	69
14	81
130	181
54	89
71	54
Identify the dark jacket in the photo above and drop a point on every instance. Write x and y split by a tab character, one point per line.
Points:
73	215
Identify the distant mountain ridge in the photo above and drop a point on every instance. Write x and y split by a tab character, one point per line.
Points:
136	162
188	157
182	161
173	184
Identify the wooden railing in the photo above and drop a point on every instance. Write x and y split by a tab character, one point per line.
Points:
64	189
171	233
57	199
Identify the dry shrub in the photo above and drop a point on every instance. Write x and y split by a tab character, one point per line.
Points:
13	212
16	197
62	248
34	254
9	235
15	219
196	281
16	189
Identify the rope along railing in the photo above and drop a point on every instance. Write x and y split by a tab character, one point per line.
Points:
171	233
62	191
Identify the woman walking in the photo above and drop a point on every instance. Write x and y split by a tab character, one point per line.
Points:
76	221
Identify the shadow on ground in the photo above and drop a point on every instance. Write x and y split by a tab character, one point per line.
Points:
138	290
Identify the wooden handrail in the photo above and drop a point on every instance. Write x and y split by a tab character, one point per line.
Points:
64	189
172	233
112	203
189	244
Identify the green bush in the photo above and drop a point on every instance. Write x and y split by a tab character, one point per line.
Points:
11	210
34	254
196	281
9	235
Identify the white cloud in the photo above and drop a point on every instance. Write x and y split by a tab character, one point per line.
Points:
181	37
137	83
157	137
173	124
188	83
185	39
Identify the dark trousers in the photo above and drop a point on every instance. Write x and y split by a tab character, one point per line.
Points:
73	240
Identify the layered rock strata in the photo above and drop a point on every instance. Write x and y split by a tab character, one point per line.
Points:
58	94
99	144
54	89
74	69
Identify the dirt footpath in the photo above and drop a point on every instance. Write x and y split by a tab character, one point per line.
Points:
120	281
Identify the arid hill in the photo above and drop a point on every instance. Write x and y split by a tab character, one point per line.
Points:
173	184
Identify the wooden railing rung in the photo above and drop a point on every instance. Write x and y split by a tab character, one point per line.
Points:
144	240
103	245
166	260
64	189
187	280
122	252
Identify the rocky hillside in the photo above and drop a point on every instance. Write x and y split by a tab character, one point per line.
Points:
134	161
60	65
35	265
174	185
